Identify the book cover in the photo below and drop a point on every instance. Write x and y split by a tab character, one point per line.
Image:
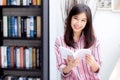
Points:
81	52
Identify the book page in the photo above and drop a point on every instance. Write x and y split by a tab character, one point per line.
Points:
65	52
81	53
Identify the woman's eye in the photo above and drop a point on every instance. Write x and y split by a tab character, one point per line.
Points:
75	18
84	20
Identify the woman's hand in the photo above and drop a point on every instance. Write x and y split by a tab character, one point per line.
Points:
71	63
90	60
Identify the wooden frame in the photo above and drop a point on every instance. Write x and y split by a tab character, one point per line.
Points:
116	5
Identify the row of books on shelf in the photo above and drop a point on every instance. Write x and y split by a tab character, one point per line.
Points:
19	57
20	2
22	26
18	78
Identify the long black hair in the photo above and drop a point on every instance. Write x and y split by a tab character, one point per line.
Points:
88	30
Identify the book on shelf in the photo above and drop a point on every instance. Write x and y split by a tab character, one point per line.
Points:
37	58
19	57
34	57
65	52
28	57
20	2
22	26
38	26
5	28
3	56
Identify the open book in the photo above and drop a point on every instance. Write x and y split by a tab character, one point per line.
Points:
81	52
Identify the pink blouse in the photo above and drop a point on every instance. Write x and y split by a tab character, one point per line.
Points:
82	71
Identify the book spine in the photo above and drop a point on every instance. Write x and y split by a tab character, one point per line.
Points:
13	2
18	57
12	57
28	27
8	57
9	25
34	2
38	57
4	56
26	58
5	27
30	57
34	57
18	2
19	26
21	57
38	26
1	2
31	26
38	2
16	27
35	26
4	2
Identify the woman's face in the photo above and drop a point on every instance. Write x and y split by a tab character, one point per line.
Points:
78	22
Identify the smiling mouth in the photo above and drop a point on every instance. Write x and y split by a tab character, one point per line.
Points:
77	27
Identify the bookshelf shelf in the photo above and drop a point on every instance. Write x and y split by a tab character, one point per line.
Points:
22	11
22	73
24	41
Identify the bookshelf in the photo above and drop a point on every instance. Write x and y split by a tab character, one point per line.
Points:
24	29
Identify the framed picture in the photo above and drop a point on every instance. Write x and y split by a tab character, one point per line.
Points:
104	4
116	5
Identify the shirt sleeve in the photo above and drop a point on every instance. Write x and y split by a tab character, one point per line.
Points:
60	62
97	54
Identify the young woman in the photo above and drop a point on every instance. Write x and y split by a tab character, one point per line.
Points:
79	35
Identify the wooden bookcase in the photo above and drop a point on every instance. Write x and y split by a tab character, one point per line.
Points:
40	44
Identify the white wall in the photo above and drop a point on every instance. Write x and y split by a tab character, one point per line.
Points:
107	28
56	29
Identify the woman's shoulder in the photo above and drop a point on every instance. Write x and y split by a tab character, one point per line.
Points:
97	42
60	37
60	40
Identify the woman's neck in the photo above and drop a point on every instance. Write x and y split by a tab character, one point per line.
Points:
76	36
